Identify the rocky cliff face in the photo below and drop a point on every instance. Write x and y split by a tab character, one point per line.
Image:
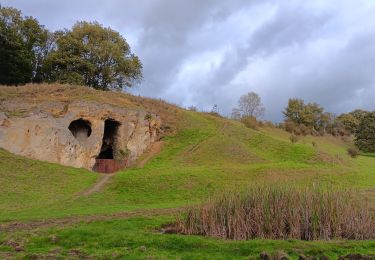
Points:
76	133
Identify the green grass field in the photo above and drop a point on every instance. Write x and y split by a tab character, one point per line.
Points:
207	154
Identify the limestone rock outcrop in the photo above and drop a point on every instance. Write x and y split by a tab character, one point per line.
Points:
76	133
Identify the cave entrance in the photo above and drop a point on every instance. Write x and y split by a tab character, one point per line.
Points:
81	129
107	150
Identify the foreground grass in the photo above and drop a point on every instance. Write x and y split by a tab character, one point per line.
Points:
140	238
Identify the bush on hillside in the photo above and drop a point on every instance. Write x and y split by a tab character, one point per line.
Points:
365	134
293	138
353	152
276	212
250	122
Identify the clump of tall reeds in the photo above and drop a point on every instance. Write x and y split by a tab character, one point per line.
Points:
279	212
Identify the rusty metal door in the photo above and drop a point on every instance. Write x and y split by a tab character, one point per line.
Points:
108	165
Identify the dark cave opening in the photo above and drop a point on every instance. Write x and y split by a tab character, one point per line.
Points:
109	139
80	128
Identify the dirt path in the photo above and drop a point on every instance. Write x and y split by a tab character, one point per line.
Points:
49	223
154	149
103	180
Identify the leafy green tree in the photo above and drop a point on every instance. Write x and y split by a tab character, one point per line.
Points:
294	111
92	55
365	134
15	60
348	122
359	114
300	116
311	116
23	42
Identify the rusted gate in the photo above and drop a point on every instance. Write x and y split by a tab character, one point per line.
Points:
109	165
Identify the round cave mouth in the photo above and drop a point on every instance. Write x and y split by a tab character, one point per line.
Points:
80	128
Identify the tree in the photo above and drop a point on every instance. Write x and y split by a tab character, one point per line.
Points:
365	133
348	122
250	105
92	55
359	114
311	116
22	43
294	111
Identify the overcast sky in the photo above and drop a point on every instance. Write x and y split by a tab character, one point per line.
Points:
206	52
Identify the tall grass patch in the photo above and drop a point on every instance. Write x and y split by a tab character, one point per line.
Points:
281	212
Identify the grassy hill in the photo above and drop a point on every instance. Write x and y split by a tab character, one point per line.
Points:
43	209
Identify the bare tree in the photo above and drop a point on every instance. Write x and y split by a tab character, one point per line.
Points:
251	105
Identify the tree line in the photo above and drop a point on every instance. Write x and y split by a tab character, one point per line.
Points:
87	54
302	118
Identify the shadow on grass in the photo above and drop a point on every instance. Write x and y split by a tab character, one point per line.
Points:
368	154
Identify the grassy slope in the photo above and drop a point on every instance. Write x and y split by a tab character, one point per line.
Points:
206	154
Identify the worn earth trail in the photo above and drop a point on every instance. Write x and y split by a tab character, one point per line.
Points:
49	223
103	180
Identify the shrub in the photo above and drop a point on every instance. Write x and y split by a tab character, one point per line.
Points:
353	152
365	134
289	126
250	122
305	130
346	139
293	138
277	212
122	154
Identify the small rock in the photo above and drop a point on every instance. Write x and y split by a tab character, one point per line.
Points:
280	255
265	256
77	253
11	243
18	248
142	248
324	257
169	230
